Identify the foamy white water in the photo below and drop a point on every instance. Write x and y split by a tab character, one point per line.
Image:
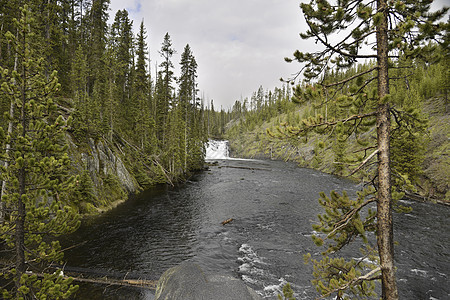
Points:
254	270
220	150
217	150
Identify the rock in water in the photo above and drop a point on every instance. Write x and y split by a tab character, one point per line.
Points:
189	282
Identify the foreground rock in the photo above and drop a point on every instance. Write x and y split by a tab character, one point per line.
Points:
189	282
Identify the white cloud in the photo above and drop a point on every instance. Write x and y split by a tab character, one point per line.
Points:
238	44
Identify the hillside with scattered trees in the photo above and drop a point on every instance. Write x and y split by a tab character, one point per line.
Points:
257	133
367	112
420	145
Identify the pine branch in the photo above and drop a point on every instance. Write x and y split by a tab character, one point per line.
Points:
337	50
350	78
329	124
365	84
369	276
348	216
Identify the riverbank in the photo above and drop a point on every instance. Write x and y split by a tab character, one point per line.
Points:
272	204
110	171
432	184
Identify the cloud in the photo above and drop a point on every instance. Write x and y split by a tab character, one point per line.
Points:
238	44
132	6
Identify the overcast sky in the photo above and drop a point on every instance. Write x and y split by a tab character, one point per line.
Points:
238	44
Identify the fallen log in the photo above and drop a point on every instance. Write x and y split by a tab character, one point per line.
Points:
227	221
246	168
142	283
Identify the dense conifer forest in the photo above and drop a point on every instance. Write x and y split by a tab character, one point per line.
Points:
83	124
105	81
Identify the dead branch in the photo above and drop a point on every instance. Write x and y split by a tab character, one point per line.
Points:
368	276
245	168
165	172
363	163
227	221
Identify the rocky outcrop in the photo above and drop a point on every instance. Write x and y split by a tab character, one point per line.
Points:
100	159
105	176
189	282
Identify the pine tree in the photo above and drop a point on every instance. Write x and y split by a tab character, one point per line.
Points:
144	123
160	111
187	95
49	23
187	78
96	23
112	116
8	11
122	43
397	28
174	148
83	106
34	199
164	87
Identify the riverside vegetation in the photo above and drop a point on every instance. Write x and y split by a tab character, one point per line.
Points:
421	153
253	122
83	125
374	105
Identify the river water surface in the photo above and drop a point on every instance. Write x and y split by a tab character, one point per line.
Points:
273	205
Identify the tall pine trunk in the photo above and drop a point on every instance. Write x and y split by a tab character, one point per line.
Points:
385	239
6	164
21	211
20	229
8	149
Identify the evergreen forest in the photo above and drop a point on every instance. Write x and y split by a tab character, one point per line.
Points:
84	124
105	83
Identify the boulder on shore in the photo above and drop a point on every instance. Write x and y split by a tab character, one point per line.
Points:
189	282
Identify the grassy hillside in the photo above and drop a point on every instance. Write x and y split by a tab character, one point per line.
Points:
433	183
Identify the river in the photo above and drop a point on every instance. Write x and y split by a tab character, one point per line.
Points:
273	205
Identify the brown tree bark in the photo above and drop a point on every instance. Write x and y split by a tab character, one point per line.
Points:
20	229
8	148
385	239
22	172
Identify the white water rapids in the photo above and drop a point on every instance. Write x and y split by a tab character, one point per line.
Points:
217	150
273	205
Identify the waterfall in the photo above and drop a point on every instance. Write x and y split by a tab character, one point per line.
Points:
217	150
